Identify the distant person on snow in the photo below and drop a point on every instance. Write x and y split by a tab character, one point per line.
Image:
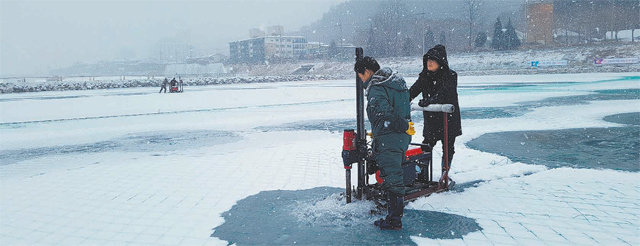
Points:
164	86
438	84
390	116
174	85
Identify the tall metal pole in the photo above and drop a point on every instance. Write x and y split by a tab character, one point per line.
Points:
348	184
445	174
361	143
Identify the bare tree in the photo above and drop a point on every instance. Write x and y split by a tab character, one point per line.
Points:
635	20
473	8
390	22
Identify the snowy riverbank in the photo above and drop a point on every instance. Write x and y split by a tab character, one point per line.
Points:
579	60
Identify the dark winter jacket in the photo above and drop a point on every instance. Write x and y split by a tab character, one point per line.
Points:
388	105
440	87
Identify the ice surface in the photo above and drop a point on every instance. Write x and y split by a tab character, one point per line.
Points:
284	138
157	142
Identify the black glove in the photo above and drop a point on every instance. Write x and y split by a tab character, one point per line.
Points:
423	103
426	147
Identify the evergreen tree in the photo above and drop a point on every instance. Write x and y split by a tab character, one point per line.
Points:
497	42
481	39
511	40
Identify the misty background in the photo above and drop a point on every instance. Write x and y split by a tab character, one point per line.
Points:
38	36
93	38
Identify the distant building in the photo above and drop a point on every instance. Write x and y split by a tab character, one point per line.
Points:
267	49
339	51
539	22
315	50
270	45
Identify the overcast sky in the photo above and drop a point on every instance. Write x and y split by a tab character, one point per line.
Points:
36	36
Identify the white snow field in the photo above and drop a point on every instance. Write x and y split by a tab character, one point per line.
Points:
131	166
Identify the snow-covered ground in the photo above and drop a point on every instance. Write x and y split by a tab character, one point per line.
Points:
133	166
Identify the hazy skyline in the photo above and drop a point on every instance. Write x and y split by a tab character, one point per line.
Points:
37	36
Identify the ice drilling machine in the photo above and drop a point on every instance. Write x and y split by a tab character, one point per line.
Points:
417	165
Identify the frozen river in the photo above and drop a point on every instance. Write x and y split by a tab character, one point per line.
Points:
543	159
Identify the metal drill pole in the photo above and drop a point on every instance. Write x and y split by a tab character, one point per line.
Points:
348	178
361	131
445	174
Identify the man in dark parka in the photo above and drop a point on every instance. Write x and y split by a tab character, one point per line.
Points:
438	84
164	86
388	109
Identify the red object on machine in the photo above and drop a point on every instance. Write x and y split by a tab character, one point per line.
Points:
378	178
413	152
349	140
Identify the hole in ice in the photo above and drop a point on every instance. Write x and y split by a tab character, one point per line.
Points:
615	148
320	216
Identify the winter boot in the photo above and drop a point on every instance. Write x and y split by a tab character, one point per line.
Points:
393	221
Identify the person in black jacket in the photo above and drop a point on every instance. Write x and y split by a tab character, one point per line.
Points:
164	86
438	85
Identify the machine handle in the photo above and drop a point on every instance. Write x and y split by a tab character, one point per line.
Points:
446	108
